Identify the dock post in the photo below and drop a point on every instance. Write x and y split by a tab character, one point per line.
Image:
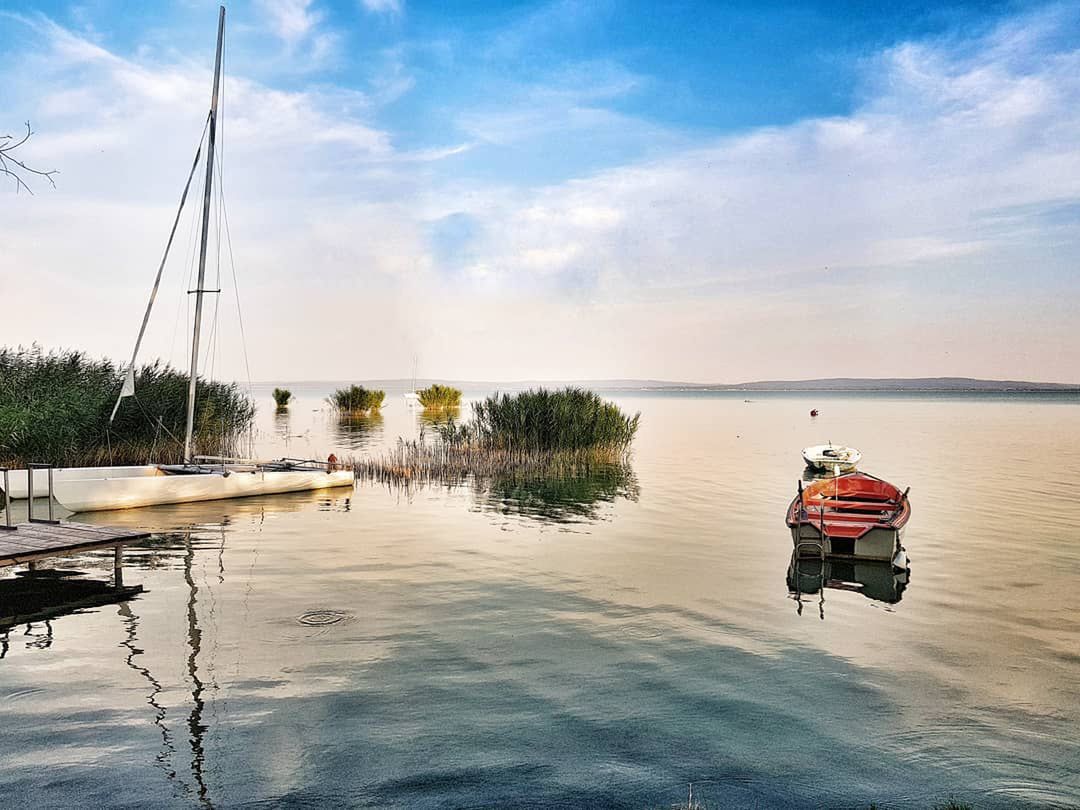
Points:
118	567
7	501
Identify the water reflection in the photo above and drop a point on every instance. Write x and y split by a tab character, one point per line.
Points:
438	416
815	474
282	424
578	497
196	727
358	432
163	758
214	516
877	581
47	595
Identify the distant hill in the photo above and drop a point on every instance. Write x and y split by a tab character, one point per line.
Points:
392	386
900	384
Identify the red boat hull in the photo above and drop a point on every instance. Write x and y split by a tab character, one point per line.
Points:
853	515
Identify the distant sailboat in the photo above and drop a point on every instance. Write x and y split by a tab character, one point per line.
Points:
198	478
412	397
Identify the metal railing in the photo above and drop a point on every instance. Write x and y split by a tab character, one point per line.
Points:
7	501
30	493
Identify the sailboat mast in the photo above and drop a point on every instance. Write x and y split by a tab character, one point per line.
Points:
202	246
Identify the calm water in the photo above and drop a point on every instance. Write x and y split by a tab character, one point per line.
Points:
599	643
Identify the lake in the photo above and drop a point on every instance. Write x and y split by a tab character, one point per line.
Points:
595	643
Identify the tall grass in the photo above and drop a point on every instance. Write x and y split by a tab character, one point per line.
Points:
437	396
569	419
356	401
282	397
538	433
55	406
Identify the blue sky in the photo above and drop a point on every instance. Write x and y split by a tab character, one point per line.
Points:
562	189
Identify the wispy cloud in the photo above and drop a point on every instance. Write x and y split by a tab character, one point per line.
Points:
301	27
291	20
384	6
912	220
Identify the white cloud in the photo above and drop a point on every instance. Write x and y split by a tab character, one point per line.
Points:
907	221
908	179
291	20
309	44
383	6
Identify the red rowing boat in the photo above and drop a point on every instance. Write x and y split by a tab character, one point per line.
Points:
855	515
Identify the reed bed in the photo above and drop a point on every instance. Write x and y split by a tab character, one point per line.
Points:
282	398
568	419
356	401
438	397
420	462
55	406
562	433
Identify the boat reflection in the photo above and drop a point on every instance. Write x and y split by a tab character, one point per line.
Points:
579	497
875	580
810	474
215	514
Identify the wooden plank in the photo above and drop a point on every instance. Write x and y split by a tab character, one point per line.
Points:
35	541
55	530
74	532
42	540
44	554
9	547
112	531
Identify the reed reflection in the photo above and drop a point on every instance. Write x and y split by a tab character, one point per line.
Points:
358	432
434	416
578	496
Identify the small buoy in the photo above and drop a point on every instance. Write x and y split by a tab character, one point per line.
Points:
813	411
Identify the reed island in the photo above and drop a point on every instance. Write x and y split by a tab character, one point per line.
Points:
540	432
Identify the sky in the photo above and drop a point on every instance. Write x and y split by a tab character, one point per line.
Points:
708	192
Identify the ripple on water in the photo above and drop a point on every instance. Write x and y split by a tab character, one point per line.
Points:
321	618
19	694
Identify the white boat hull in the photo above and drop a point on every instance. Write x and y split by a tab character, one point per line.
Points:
18	479
128	492
882	543
830	458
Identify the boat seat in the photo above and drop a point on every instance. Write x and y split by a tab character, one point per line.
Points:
814	517
848	530
878	506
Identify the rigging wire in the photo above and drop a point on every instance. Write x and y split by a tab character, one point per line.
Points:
224	212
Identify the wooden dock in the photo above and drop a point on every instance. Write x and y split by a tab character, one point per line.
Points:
30	542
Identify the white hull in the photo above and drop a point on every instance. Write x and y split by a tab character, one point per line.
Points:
877	544
128	492
18	479
832	458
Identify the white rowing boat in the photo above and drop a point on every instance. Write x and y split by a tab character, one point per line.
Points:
831	457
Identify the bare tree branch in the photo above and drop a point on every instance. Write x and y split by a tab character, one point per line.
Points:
16	169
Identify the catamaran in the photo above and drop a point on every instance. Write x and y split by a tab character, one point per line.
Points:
198	478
